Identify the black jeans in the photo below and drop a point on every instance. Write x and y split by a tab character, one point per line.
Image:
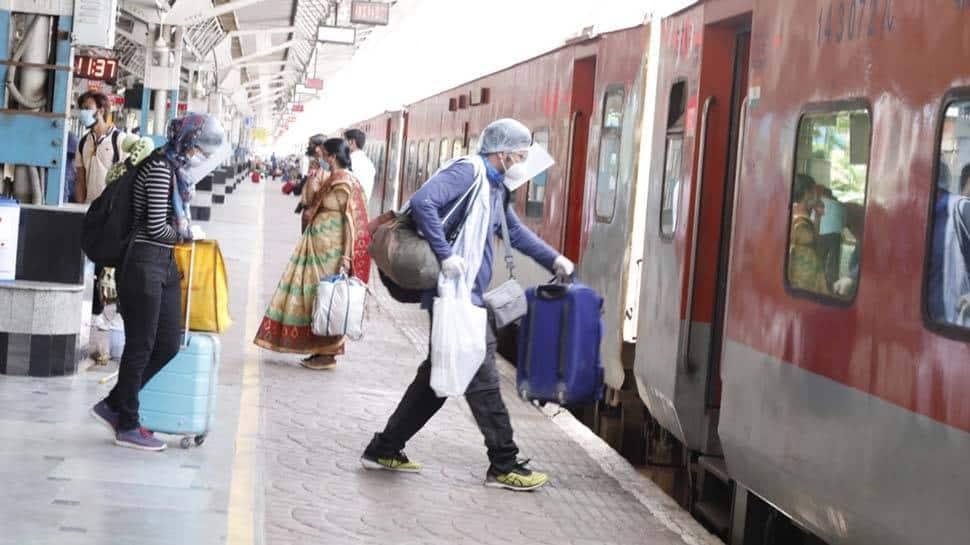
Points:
149	283
484	399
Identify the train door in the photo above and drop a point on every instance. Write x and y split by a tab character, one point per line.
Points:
581	110
704	65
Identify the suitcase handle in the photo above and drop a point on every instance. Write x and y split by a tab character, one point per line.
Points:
552	291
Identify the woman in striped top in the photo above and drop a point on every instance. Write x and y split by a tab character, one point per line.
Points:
150	284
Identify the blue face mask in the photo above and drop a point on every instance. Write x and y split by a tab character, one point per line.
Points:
492	173
88	118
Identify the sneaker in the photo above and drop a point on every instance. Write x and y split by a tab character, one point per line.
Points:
138	438
101	323
519	478
398	462
103	414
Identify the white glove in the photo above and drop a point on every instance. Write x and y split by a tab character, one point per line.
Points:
196	232
563	266
963	305
843	286
453	267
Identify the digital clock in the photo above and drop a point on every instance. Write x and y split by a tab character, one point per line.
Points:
96	68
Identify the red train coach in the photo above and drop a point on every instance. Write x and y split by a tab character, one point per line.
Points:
385	134
816	279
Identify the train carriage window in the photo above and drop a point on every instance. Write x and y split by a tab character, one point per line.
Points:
457	150
535	202
412	165
609	159
445	152
828	203
947	295
673	159
432	158
422	164
473	144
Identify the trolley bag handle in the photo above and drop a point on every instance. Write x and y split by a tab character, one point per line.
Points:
188	296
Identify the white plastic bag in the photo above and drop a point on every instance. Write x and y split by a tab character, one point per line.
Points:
457	339
338	308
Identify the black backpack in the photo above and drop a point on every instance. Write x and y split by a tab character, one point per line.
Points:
107	228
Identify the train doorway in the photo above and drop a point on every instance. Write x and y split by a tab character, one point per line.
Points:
581	110
737	39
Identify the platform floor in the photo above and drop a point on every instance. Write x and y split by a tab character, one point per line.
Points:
281	467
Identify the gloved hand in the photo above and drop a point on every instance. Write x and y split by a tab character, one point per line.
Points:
197	232
963	304
563	266
108	286
453	267
843	287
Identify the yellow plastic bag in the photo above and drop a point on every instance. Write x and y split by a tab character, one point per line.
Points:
210	288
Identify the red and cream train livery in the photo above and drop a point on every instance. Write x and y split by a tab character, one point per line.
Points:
798	169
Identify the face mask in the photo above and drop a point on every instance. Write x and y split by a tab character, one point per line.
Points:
196	160
88	118
516	175
537	160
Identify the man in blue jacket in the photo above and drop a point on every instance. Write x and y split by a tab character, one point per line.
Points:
510	159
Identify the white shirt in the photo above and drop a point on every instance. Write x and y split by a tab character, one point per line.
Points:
364	171
96	158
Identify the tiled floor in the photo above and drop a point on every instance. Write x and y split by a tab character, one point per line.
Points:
294	454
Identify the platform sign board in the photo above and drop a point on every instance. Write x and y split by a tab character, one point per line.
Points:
297	107
337	35
94	22
313	83
370	13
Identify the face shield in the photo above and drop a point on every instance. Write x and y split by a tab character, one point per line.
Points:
212	151
537	160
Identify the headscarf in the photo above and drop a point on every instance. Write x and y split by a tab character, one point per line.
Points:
183	135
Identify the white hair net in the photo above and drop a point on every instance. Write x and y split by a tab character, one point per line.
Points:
505	135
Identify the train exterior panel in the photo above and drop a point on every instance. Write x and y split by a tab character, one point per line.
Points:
384	142
852	415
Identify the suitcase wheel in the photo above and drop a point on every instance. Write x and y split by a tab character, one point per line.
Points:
199	439
186	442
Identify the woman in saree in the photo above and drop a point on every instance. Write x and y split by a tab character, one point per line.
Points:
334	241
804	266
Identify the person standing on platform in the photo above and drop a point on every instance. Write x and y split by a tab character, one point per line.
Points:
149	280
334	241
363	168
101	147
507	159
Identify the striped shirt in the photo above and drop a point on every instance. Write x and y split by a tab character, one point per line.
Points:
153	213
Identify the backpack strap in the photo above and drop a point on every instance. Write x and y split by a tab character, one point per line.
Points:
116	157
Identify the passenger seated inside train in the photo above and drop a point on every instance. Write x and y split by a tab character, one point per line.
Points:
948	289
804	266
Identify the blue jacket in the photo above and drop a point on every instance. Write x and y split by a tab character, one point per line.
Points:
438	195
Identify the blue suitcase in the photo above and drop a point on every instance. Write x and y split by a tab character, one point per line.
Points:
559	345
181	398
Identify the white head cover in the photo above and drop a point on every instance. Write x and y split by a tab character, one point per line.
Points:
508	135
214	144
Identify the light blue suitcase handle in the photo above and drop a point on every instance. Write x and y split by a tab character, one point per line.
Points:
188	297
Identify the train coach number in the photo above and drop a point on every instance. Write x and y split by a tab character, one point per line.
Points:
849	20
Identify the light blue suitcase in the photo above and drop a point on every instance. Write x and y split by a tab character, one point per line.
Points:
181	398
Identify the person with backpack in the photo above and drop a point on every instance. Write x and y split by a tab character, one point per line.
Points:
506	160
101	147
149	283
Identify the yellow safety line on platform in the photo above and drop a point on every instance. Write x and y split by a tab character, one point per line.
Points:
241	526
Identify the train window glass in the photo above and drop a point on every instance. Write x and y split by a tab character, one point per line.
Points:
445	152
432	158
609	159
412	167
457	150
948	272
473	144
422	164
673	159
828	203
535	202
